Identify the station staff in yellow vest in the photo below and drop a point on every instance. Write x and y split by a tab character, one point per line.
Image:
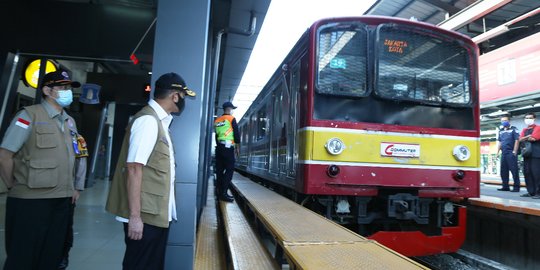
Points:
37	160
142	189
227	142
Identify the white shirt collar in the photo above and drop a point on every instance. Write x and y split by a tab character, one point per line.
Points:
161	113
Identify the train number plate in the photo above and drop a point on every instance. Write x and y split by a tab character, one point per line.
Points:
389	149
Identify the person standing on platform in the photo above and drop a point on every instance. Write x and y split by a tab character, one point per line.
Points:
227	145
37	161
80	180
142	188
509	145
531	162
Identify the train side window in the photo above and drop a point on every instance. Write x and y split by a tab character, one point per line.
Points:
261	123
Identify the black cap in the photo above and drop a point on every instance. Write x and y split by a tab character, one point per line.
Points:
173	81
228	104
57	78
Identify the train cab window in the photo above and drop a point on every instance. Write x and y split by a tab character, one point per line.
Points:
341	67
417	65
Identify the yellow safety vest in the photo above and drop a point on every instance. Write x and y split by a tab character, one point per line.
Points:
224	129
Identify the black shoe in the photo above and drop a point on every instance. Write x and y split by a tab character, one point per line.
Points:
226	199
64	263
503	189
229	196
515	190
525	195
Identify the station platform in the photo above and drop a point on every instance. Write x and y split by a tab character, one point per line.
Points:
305	239
490	197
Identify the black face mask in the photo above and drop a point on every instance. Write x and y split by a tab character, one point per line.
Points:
180	104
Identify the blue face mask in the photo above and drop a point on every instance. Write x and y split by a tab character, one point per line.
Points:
65	97
505	123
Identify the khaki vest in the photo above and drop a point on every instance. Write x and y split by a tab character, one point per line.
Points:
156	179
44	166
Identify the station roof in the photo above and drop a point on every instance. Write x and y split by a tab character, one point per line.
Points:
477	19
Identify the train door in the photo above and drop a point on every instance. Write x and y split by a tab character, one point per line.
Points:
275	130
293	121
283	123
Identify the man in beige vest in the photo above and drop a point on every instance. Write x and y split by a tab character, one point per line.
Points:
37	159
142	189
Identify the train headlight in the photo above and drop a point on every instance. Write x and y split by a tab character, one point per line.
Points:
461	153
334	146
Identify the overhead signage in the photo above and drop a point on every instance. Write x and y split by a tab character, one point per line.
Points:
389	149
511	71
31	73
90	93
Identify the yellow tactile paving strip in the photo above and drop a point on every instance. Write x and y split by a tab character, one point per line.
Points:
313	242
209	253
359	255
245	247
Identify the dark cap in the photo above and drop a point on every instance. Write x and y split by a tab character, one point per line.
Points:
173	81
57	78
228	104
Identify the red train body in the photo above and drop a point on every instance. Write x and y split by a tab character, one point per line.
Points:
374	123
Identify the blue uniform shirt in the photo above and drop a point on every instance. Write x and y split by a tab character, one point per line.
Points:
507	138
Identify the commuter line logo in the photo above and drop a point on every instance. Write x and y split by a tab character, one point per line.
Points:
400	150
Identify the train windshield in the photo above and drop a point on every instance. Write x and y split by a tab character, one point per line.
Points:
341	67
417	65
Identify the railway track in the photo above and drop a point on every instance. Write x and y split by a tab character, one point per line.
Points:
461	260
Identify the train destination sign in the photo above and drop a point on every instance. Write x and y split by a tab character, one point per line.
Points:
395	46
389	149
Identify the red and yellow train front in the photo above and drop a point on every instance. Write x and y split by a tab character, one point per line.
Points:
392	130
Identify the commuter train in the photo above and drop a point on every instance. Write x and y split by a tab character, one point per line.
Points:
374	123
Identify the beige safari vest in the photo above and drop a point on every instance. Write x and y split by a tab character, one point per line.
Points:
156	177
44	167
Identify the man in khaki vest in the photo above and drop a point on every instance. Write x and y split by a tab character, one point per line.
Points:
142	189
37	159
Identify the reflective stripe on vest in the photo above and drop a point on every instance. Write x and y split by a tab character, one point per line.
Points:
223	126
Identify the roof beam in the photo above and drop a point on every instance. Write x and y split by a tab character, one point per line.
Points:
472	13
503	28
442	5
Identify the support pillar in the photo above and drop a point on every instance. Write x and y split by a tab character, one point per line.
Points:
181	46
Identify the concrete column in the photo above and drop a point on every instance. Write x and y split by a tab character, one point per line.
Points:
181	46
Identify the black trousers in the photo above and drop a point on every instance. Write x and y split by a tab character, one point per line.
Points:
531	170
35	232
224	168
509	164
68	243
147	253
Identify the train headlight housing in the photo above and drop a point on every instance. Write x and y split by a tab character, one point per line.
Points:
462	153
334	146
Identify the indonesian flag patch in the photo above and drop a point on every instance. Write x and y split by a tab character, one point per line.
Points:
22	123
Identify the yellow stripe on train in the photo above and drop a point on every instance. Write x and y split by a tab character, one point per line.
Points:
376	147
